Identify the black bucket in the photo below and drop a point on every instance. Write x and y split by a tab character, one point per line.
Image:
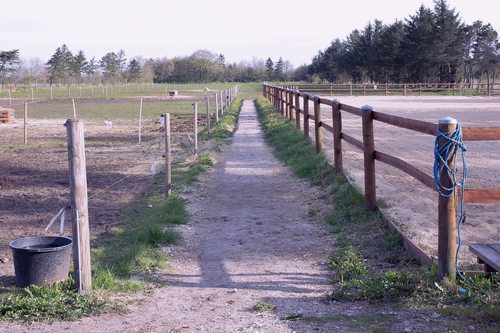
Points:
41	260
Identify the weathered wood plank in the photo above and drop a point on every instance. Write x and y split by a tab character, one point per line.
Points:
406	167
480	133
352	141
411	124
480	196
487	254
350	109
326	127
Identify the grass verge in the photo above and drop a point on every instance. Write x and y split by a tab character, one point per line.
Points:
369	262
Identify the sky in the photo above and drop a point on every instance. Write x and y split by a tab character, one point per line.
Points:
241	31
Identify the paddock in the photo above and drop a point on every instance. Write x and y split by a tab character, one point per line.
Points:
409	203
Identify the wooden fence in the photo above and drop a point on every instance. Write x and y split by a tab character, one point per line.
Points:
288	101
395	89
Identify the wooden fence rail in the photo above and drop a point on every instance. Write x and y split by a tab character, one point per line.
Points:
391	89
288	101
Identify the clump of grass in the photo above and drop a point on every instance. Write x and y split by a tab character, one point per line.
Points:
136	246
264	307
56	301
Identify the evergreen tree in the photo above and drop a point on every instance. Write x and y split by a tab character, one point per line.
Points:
110	67
269	69
278	70
60	65
8	59
447	47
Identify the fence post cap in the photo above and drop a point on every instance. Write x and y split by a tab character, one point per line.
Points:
448	121
366	107
336	100
316	96
306	94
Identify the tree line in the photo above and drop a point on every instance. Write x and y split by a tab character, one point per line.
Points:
66	68
432	45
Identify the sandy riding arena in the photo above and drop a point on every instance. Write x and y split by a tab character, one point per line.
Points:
409	203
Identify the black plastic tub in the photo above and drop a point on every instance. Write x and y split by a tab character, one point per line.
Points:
41	260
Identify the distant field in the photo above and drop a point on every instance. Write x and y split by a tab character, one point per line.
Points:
123	104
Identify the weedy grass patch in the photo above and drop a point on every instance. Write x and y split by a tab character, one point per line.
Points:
56	301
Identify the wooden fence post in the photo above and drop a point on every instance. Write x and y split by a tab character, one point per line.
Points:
79	204
317	124
168	158
221	104
140	120
369	158
447	223
25	121
297	110
208	117
291	107
282	101
306	115
337	136
216	110
195	128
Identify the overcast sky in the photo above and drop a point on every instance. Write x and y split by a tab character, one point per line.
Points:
240	30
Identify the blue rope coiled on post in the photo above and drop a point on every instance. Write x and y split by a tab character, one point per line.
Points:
441	156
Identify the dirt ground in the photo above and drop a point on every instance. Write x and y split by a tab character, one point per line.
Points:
34	182
250	239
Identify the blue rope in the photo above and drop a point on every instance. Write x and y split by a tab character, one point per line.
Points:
441	156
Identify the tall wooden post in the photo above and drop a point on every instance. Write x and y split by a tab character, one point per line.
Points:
337	136
168	158
195	129
369	158
221	104
284	101
140	121
447	223
216	110
208	117
79	204
306	115
25	121
290	103
317	124
297	110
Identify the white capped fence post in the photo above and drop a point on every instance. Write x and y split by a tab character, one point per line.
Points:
195	128
168	158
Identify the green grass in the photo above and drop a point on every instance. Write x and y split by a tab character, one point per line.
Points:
57	301
264	307
289	144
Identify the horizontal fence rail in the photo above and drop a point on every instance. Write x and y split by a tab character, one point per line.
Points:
395	89
288	101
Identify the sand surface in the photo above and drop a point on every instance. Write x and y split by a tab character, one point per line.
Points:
410	203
